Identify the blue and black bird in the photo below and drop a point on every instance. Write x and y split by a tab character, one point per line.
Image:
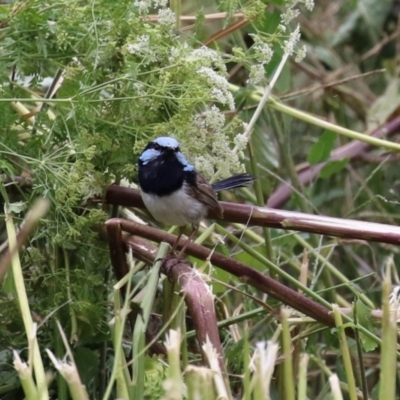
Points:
172	190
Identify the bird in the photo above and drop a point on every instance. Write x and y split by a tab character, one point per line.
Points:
172	190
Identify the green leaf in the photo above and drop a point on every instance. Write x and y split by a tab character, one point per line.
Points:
321	150
87	363
364	319
333	167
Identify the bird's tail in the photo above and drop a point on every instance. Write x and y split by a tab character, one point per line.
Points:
239	180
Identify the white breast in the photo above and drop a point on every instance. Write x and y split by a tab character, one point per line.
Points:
175	209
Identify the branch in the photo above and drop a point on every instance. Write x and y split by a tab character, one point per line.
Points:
248	275
289	220
199	301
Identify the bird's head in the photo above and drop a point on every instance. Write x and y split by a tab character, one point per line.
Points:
163	150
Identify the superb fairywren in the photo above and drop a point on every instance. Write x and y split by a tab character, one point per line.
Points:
174	192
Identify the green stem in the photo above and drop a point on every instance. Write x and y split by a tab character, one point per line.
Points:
261	202
302	379
138	337
246	366
74	323
287	360
287	161
275	104
334	271
25	310
62	387
387	388
345	352
117	329
176	7
292	280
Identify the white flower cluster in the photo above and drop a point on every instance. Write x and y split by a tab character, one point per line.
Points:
241	140
144	6
208	130
309	4
225	160
142	47
289	15
257	73
219	87
292	12
205	164
263	55
176	53
211	119
289	45
301	53
204	56
263	52
166	17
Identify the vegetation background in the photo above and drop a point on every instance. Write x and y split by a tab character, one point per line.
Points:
85	84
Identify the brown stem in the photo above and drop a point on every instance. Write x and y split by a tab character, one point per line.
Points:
281	219
199	301
117	251
246	274
118	261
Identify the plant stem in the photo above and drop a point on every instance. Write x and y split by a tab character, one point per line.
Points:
176	7
261	201
345	352
287	352
387	388
287	161
138	337
333	270
302	378
265	97
275	104
24	307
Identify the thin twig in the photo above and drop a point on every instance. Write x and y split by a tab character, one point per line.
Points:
322	85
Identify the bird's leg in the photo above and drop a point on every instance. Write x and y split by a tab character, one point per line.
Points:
181	230
190	238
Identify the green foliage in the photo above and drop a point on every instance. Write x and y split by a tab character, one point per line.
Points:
123	78
333	167
321	150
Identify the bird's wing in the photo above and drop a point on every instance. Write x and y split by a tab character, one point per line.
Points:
235	181
203	192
